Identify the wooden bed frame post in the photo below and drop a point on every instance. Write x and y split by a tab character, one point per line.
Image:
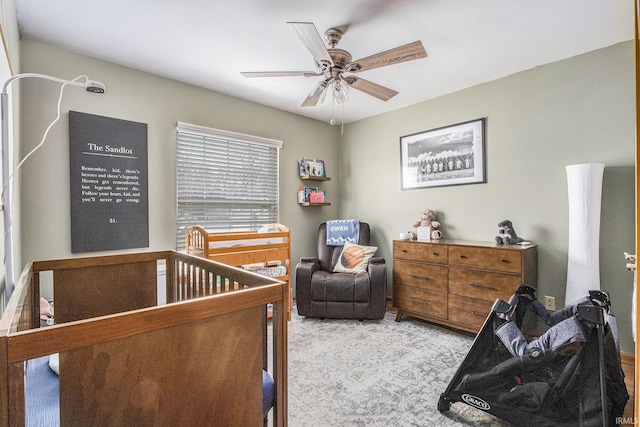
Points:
12	386
281	319
4	383
12	389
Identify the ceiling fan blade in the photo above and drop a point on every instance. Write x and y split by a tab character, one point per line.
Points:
370	88
250	74
309	36
408	52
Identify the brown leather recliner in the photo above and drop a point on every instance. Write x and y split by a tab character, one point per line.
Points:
322	293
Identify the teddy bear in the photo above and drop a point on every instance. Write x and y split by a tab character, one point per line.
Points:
428	219
506	234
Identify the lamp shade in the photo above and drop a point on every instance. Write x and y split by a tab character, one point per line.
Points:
584	183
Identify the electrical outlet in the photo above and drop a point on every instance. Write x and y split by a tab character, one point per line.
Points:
550	303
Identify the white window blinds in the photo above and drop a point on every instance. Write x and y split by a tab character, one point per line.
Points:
225	180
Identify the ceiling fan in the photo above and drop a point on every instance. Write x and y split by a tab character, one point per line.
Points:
332	63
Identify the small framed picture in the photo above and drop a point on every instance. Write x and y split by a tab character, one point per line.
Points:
314	167
450	155
302	167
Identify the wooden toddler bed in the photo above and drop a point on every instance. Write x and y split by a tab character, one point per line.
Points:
266	251
124	360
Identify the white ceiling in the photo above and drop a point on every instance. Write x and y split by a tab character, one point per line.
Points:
208	43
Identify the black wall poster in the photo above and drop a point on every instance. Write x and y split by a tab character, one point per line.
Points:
109	183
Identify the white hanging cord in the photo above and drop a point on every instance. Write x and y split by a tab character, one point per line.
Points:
342	126
333	113
44	136
9	226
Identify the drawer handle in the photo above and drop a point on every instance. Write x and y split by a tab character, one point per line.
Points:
415	276
435	254
463	256
505	261
475	285
404	251
474	313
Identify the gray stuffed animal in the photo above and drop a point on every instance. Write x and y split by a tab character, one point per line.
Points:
506	234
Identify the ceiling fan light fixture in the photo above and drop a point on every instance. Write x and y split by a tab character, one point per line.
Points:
340	91
319	91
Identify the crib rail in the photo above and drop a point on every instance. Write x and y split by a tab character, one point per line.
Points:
126	318
201	242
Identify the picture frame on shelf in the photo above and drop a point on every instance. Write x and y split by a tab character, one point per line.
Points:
316	168
310	167
307	193
302	167
317	196
444	156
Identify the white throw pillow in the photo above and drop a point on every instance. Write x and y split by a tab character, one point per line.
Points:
354	258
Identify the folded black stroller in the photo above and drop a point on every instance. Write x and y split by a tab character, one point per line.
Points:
568	375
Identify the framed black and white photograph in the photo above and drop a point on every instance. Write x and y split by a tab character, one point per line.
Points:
449	155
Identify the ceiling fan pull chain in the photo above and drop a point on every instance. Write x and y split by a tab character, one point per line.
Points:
342	126
333	114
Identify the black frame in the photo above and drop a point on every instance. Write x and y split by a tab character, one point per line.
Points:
444	156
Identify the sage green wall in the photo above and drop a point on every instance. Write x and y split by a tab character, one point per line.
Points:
159	102
578	110
574	111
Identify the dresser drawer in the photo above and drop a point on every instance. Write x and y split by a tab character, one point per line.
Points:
482	284
425	276
487	258
468	311
420	251
422	301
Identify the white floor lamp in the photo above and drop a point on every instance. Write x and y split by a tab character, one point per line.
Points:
7	174
585	192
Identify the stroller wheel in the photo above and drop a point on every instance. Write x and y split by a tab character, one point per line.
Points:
444	404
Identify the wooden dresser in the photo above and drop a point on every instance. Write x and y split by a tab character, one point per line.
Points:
455	282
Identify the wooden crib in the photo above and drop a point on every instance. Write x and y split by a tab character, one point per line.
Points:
125	360
266	252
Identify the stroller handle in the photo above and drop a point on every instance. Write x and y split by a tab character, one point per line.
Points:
501	306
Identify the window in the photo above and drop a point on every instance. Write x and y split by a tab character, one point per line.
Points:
225	180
